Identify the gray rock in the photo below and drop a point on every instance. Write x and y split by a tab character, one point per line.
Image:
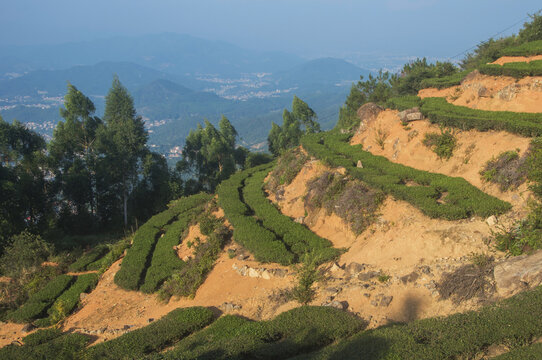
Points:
368	275
354	268
341	305
368	113
519	273
432	285
82	296
410	115
278	272
414	116
27	328
228	307
426	269
253	273
127	327
242	257
300	220
382	300
150	320
359	164
410	278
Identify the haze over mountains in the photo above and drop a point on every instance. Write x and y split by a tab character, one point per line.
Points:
176	82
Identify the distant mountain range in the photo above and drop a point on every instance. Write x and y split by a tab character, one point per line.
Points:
176	82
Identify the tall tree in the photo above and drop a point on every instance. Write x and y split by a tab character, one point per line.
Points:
210	155
24	196
288	135
122	142
72	154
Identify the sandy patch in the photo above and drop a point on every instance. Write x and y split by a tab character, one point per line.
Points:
512	59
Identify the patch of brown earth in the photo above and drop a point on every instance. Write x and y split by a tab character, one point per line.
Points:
474	149
402	241
184	251
512	59
493	93
10	332
107	309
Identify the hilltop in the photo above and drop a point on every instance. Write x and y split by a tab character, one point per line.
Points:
409	230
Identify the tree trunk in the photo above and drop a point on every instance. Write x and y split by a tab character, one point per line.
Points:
125	204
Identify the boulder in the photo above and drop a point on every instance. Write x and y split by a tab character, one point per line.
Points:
382	300
341	305
412	114
253	273
367	113
410	278
27	328
519	273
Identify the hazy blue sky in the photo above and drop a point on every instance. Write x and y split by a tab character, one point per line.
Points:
308	28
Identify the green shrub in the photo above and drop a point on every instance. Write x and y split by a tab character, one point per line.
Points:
462	200
38	303
42	336
513	322
403	102
297	238
526	49
154	337
88	258
514	69
445	81
262	243
68	300
65	347
134	265
524	236
442	144
439	111
307	274
297	331
114	253
25	252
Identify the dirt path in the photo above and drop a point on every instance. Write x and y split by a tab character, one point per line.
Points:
512	59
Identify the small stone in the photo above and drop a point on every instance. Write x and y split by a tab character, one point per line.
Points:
492	220
333	290
335	267
341	305
426	269
243	270
300	219
367	295
359	164
150	320
431	285
242	257
278	272
127	327
82	296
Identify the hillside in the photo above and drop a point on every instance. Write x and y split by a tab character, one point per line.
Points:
414	234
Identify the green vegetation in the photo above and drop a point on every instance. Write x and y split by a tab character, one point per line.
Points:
526	49
65	347
25	252
68	300
39	302
508	170
351	200
210	155
442	144
83	262
282	138
294	332
42	336
138	258
445	81
513	322
307	273
155	337
262	243
514	69
462	200
403	102
439	111
297	238
187	280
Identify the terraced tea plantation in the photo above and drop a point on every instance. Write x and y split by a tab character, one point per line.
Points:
151	259
261	228
305	333
436	195
440	111
55	301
